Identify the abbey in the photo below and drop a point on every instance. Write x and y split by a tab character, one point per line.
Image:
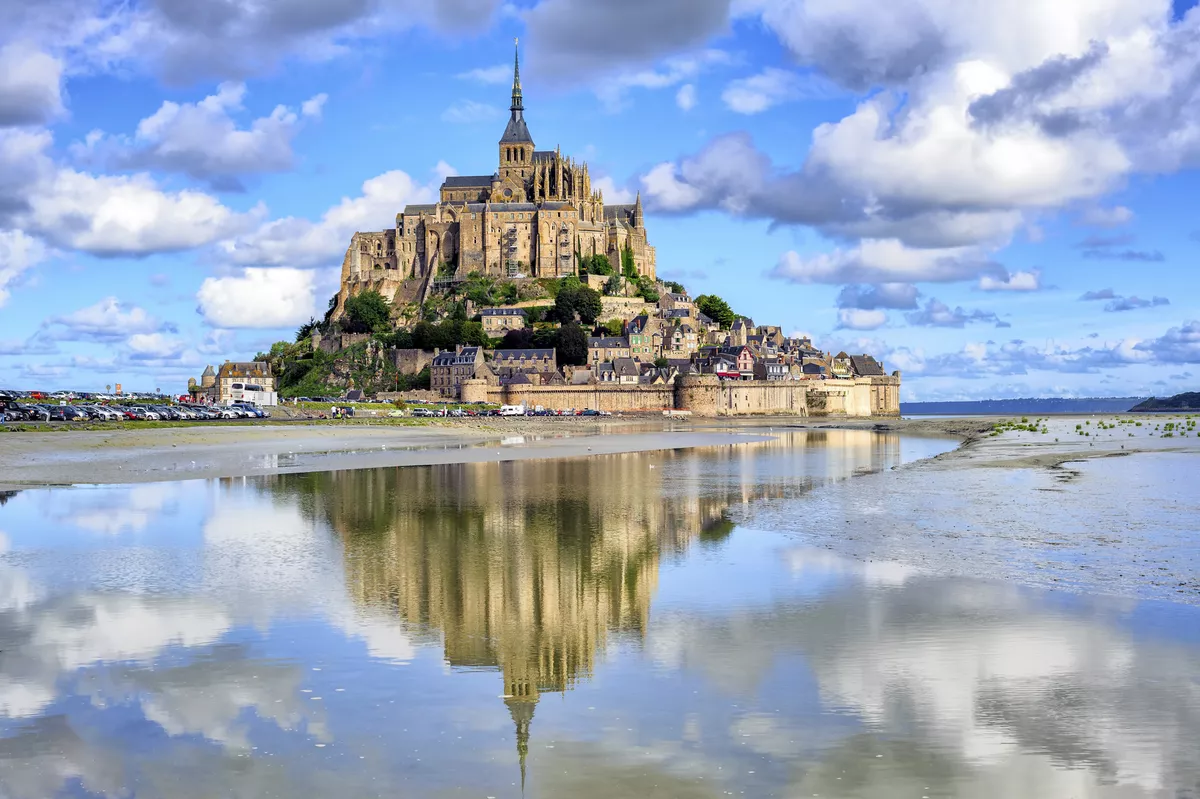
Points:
536	216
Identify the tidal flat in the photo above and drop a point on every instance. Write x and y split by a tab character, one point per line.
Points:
760	610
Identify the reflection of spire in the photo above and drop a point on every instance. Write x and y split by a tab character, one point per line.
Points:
521	709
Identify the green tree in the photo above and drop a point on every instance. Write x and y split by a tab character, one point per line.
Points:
588	305
564	305
661	363
365	312
647	290
306	330
675	287
597	265
572	345
614	327
717	310
628	266
613	286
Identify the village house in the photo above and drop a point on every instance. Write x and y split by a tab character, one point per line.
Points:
681	342
670	301
645	338
607	349
498	321
771	369
540	360
839	366
865	366
450	369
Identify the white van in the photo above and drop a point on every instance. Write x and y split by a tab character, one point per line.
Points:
512	410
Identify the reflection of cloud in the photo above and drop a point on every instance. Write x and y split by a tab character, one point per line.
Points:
804	560
998	687
116	510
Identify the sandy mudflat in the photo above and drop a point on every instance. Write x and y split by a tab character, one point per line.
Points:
1112	512
184	453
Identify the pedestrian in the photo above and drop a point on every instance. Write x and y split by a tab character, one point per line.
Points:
333	411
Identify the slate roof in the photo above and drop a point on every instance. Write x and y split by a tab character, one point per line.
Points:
419	209
516	132
208	372
503	312
245	369
608	343
543	155
467	181
620	213
504	208
866	366
528	355
626	367
452	358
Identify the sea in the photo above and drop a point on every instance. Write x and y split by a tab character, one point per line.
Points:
680	623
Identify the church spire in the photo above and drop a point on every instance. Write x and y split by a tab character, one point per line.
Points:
518	103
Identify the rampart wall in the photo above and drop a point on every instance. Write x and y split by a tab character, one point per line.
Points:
708	395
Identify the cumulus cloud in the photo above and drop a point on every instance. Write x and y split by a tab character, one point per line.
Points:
1177	345
574	39
858	319
107	321
469	112
936	313
203	140
259	298
18	254
296	242
885	261
899	296
769	88
1017	281
30	85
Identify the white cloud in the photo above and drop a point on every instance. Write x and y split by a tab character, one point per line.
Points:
154	347
1017	281
1098	216
685	98
673	71
858	319
259	298
106	321
30	85
769	88
884	261
18	254
119	215
613	194
314	106
298	242
497	75
469	112
204	141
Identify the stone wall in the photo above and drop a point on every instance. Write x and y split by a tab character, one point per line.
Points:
708	395
411	362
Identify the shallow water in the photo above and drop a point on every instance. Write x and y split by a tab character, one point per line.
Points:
588	628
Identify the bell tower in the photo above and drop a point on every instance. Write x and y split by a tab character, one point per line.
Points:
516	145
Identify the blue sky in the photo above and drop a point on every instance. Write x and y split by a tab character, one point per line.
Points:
938	183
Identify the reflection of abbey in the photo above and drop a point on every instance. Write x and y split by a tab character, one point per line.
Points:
536	216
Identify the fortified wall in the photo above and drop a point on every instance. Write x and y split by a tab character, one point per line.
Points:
708	395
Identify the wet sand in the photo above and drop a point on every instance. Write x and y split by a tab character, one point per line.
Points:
1114	512
184	453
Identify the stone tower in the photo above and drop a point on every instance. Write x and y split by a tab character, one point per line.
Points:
209	378
516	145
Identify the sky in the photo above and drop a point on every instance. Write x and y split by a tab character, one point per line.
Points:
997	199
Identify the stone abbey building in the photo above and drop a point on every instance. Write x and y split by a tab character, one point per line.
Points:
534	217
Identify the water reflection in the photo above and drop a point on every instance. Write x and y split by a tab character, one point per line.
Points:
398	631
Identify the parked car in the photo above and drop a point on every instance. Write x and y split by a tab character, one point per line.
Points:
67	413
423	413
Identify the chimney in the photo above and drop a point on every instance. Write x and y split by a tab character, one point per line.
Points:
458	348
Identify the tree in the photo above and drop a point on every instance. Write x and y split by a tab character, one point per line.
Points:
306	330
717	310
614	327
613	285
628	266
588	305
647	290
661	363
564	305
572	345
365	312
597	265
517	340
675	287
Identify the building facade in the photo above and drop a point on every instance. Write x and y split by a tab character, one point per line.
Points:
535	216
450	369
